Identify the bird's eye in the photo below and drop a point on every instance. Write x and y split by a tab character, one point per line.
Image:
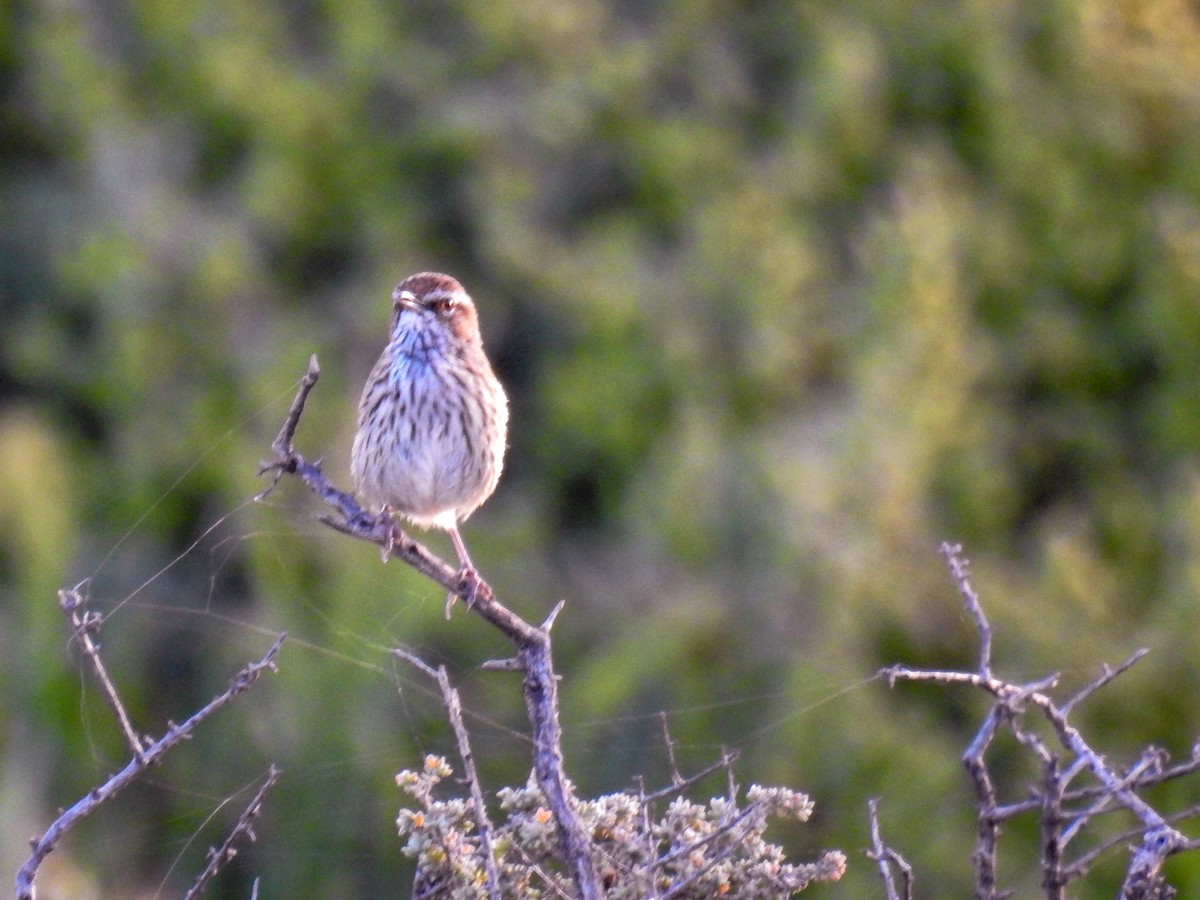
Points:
445	305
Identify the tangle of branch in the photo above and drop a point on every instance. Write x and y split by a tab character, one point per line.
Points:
1064	809
145	752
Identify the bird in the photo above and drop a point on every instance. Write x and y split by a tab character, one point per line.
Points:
433	417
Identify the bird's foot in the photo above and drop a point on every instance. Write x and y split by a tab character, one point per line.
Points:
468	578
395	536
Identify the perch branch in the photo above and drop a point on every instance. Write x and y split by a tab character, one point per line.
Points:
539	684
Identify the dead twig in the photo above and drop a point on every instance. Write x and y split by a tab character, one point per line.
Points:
725	762
243	828
885	857
676	778
85	627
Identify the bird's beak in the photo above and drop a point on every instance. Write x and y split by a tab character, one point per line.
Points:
404	300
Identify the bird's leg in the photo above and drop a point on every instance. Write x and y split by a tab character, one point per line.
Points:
467	573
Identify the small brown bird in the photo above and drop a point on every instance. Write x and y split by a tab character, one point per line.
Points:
433	418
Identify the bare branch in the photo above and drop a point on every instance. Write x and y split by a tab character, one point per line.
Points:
1107	674
1113	789
1054	880
987	827
1184	768
85	627
511	664
1104	801
219	856
149	756
549	623
648	885
1085	862
1072	739
885	857
960	567
282	445
725	762
1143	881
730	778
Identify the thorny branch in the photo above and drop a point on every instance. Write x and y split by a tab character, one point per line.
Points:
1062	817
539	683
244	827
145	753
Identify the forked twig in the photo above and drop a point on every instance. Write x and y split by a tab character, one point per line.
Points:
84	628
725	762
885	857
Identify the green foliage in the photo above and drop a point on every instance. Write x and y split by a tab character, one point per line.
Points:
784	293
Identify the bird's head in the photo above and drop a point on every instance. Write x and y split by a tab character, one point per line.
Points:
430	301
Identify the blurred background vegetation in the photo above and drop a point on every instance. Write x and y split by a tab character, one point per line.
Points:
784	293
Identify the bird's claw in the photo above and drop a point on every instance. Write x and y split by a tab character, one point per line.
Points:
394	538
469	578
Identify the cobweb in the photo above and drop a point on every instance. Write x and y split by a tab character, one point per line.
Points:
181	615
